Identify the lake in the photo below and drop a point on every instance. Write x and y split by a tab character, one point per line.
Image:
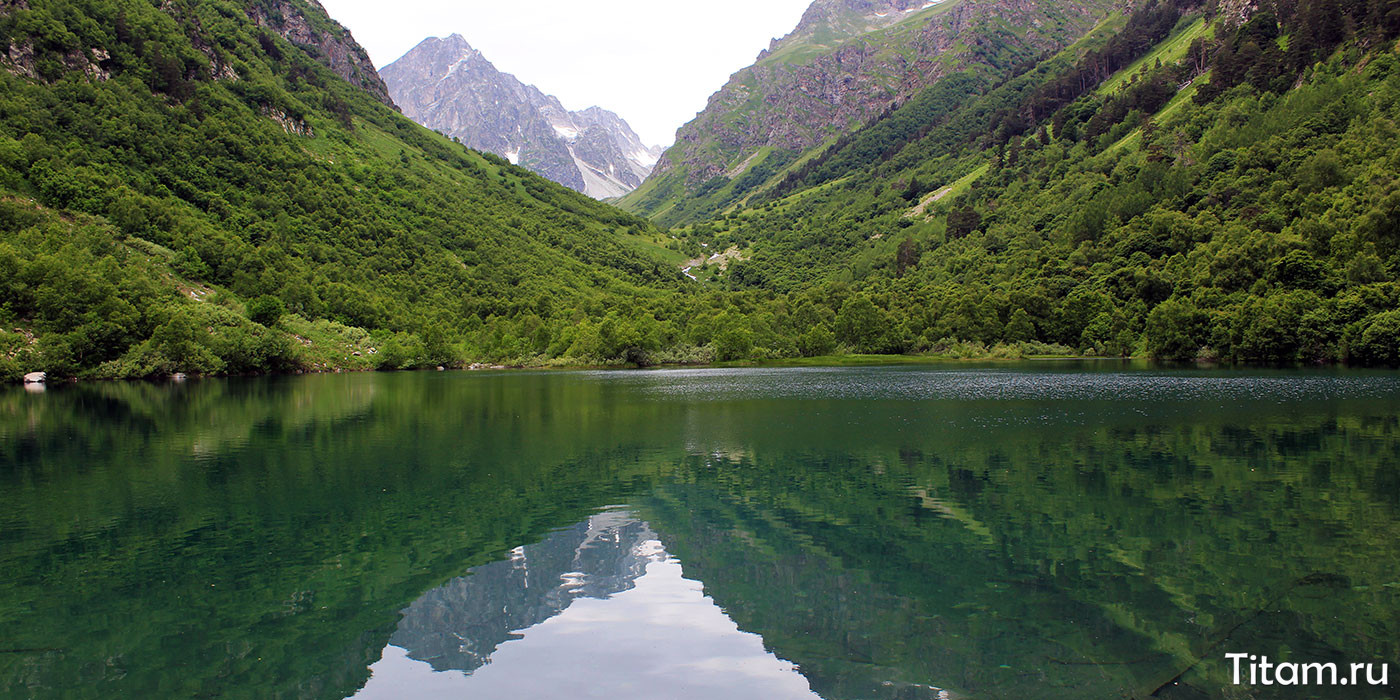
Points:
1029	530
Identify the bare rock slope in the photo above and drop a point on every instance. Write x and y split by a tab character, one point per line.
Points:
446	85
846	62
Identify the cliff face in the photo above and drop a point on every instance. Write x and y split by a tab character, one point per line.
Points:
306	24
445	84
611	156
17	54
848	60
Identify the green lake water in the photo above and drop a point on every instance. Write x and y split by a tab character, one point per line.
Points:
1035	530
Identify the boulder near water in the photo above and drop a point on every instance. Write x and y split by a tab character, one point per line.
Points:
35	378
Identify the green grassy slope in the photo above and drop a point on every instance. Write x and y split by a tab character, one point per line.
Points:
147	154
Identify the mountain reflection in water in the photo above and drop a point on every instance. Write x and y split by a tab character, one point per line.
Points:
1062	531
598	609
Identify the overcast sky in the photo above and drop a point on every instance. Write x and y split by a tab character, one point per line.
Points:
655	62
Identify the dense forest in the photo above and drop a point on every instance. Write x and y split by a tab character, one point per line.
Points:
184	190
1152	193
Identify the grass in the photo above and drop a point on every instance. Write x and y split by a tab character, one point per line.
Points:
1099	36
1168	52
655	246
965	182
1160	117
329	346
940	197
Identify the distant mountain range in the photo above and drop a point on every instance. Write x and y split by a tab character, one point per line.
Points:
446	85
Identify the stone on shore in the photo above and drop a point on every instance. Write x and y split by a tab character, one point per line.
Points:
36	378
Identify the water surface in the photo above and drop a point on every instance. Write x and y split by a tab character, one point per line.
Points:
1037	530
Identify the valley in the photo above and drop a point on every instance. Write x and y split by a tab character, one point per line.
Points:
1173	180
993	349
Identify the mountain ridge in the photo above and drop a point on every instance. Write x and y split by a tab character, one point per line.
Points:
839	19
843	65
448	86
332	44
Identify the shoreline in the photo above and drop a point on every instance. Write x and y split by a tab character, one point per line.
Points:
823	361
832	361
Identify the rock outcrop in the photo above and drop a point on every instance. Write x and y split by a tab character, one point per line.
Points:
20	59
306	24
849	60
445	84
841	19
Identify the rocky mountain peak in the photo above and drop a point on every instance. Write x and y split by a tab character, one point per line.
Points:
838	68
837	19
446	85
828	10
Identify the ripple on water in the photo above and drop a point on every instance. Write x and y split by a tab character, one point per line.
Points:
941	384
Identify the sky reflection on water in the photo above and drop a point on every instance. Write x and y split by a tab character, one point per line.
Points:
1045	530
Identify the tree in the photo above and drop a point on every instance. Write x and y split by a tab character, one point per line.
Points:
860	324
817	341
266	310
963	221
191	266
1380	341
1298	270
907	256
914	189
1174	331
734	341
437	350
1156	153
1320	171
179	345
1019	328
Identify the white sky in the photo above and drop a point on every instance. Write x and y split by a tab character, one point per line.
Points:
654	62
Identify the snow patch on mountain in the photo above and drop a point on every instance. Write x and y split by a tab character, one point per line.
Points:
446	85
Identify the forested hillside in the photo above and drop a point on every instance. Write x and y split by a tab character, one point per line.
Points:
184	189
1194	182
